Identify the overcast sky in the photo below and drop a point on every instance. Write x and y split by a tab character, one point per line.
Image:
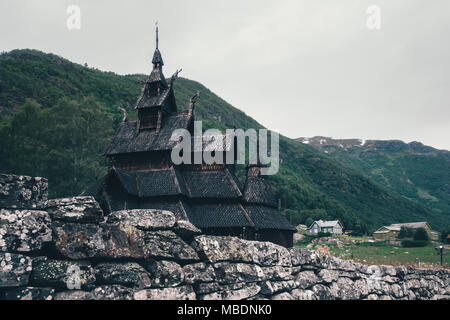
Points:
301	67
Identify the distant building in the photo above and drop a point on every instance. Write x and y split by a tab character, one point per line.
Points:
392	231
333	227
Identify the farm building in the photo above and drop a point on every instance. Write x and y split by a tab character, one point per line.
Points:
392	231
333	227
142	175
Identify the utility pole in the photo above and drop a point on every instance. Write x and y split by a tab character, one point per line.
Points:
441	249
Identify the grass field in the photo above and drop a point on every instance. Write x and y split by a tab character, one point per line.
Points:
381	253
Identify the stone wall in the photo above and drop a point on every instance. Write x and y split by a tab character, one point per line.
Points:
67	249
21	191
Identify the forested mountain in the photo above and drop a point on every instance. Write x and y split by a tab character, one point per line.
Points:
57	116
418	172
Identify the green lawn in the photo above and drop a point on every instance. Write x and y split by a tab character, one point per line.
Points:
380	253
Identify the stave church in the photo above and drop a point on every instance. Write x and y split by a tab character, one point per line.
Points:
141	174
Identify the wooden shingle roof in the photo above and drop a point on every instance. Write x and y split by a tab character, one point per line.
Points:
153	183
258	191
129	139
152	101
217	184
157	58
219	215
180	208
268	218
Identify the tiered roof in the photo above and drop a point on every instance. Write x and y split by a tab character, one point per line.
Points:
258	191
220	215
151	183
208	196
260	202
156	92
129	139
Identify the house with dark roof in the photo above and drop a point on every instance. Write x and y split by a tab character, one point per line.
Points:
141	173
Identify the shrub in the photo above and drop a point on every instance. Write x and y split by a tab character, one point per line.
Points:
323	234
405	233
421	234
444	236
414	243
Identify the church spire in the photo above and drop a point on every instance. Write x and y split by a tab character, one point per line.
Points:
157	59
156	34
156	93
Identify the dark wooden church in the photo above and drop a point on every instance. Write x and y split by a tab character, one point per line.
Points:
142	175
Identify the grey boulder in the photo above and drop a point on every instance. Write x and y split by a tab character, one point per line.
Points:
81	209
24	230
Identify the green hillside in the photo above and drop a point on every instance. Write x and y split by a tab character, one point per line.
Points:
418	172
45	136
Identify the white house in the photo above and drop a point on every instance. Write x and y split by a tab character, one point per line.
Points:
333	227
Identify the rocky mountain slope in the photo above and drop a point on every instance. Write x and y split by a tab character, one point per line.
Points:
310	184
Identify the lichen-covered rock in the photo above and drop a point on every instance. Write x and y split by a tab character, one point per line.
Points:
219	248
164	273
81	241
144	219
185	229
273	287
339	264
300	256
15	270
299	294
22	191
178	293
198	272
344	289
269	254
283	296
143	254
329	276
113	292
81	209
63	274
167	245
277	273
306	279
323	292
118	240
29	293
24	230
238	272
388	270
122	273
441	297
204	288
246	292
73	295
